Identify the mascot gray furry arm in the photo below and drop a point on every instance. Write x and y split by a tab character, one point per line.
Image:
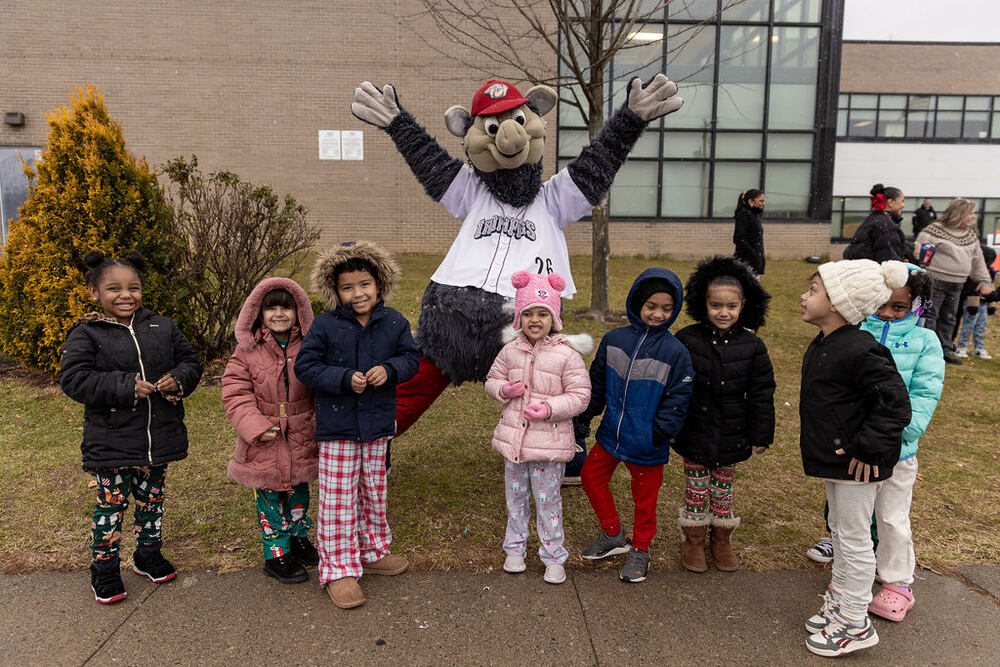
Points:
511	220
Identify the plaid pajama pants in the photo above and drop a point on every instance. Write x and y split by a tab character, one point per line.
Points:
352	527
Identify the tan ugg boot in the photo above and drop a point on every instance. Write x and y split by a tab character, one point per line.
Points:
346	593
720	542
390	565
693	543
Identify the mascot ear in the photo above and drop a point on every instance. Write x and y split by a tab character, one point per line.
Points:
542	98
458	120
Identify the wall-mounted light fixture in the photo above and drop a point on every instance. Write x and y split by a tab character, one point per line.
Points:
13	118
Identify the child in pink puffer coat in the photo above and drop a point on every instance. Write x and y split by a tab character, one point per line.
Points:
543	383
274	417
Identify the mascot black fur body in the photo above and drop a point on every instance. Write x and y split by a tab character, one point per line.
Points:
511	220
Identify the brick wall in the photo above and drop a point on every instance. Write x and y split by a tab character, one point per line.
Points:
246	86
935	69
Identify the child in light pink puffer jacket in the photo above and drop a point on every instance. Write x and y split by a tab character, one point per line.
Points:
543	383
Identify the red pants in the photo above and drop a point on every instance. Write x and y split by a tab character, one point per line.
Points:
646	482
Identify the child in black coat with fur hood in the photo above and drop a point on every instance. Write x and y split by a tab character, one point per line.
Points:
731	414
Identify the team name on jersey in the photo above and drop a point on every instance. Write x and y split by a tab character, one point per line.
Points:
501	224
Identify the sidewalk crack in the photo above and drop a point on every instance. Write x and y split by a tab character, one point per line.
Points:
118	627
586	622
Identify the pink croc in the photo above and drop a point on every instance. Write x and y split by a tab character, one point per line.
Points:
892	602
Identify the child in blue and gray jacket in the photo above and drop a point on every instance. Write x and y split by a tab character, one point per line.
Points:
642	381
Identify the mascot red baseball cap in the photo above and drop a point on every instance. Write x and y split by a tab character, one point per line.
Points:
496	97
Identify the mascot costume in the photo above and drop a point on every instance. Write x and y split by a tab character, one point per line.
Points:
511	220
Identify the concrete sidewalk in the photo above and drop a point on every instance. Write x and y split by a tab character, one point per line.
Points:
439	617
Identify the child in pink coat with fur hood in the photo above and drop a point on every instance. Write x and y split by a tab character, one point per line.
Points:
273	414
543	383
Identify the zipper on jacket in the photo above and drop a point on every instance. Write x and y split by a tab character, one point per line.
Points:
149	403
525	397
628	374
885	333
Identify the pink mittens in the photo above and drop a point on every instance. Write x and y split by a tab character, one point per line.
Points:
512	389
536	411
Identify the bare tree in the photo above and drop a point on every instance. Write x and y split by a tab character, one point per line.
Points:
233	234
517	39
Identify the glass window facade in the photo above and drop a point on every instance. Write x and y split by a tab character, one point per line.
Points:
750	75
918	118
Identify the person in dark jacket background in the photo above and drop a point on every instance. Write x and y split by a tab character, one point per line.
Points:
130	368
354	357
879	237
853	407
923	216
748	232
731	413
641	380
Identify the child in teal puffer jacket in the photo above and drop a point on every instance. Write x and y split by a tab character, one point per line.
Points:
919	359
920	362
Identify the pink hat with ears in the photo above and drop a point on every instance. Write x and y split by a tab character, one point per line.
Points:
538	290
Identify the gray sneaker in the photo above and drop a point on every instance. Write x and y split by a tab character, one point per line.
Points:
636	566
605	545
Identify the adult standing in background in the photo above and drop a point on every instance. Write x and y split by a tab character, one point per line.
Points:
923	216
879	236
957	256
748	234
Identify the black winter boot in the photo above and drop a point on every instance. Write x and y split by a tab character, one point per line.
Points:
285	569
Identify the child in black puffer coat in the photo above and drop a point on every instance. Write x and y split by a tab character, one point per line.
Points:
731	414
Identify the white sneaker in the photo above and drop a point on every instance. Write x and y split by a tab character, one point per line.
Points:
962	353
822	552
983	354
513	564
554	573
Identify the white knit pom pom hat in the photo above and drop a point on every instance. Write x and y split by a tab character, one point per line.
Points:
858	287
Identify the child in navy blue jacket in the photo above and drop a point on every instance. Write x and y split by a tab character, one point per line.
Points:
354	356
642	382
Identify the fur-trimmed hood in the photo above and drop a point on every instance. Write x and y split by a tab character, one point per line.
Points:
757	298
387	270
245	337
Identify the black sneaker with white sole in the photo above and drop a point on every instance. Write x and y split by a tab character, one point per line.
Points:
106	582
636	566
607	545
153	566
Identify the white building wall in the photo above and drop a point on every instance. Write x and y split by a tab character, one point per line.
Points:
919	170
922	20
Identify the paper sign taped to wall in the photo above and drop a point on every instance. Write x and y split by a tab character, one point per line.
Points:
353	144
329	144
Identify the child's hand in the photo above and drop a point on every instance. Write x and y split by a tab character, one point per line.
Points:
358	382
376	376
758	450
536	412
167	384
512	389
268	435
143	388
862	471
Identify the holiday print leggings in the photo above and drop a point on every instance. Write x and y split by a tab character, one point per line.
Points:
541	479
708	490
114	485
283	515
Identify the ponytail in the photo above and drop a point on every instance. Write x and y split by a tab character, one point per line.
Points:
744	198
881	194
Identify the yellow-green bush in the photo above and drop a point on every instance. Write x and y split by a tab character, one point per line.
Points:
87	193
